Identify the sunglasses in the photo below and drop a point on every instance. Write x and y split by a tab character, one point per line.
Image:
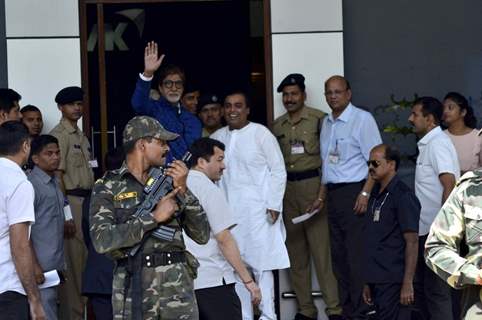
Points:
374	163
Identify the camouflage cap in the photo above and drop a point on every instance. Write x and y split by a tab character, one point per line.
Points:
144	126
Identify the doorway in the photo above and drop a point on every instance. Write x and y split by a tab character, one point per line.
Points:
213	41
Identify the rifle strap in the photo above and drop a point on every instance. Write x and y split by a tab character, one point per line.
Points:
135	267
134	280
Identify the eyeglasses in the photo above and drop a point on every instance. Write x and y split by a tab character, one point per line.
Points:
374	163
169	83
335	92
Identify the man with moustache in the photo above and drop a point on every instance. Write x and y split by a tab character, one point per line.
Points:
168	110
32	118
19	294
217	259
76	179
347	136
47	234
254	185
210	112
9	107
298	134
436	172
162	286
391	238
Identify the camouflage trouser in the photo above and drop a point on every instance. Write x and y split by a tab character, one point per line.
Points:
168	293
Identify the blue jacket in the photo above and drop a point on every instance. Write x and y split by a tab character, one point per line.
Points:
177	120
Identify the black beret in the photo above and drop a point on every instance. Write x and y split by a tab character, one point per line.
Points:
69	95
209	98
292	79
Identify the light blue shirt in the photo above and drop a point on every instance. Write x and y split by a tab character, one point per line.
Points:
48	231
350	138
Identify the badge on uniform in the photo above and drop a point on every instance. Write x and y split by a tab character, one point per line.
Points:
93	163
125	195
297	147
68	212
334	157
376	215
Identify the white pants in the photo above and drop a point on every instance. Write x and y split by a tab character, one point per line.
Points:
265	281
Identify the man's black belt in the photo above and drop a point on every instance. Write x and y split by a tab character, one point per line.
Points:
156	259
297	176
84	193
334	186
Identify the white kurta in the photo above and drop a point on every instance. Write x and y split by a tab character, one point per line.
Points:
254	181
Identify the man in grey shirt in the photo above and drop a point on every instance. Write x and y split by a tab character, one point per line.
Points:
47	235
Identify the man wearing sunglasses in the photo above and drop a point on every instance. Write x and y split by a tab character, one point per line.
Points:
391	238
168	110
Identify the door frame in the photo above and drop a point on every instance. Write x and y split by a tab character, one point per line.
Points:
101	59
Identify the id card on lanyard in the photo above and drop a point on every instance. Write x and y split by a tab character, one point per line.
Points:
334	155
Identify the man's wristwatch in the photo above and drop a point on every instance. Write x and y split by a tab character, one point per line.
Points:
365	194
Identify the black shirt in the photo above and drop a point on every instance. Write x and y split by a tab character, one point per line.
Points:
399	212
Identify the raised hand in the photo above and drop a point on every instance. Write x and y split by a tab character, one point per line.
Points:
151	60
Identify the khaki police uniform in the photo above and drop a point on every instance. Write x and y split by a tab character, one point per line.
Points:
205	133
300	145
78	180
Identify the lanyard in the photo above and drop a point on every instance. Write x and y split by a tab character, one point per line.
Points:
376	210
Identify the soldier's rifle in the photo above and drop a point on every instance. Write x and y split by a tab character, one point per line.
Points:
158	185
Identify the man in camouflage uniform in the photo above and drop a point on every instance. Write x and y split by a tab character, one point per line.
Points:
460	220
167	270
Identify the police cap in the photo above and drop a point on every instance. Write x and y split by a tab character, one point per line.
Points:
144	126
292	79
69	95
205	99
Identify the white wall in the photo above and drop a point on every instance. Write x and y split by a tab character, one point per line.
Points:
43	51
42	18
39	68
306	15
315	55
307	38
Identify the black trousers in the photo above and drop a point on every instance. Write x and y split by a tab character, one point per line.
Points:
101	305
13	306
386	297
432	295
346	235
218	303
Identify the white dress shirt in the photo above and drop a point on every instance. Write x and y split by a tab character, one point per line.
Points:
351	136
437	155
213	266
16	206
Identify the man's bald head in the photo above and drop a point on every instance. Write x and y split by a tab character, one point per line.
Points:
337	94
338	78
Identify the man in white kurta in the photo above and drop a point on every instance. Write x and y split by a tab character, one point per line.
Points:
254	183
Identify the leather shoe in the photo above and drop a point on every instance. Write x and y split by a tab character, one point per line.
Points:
336	317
